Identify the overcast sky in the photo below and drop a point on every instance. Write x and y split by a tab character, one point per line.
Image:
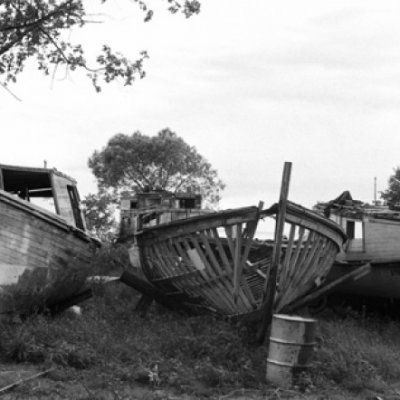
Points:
250	84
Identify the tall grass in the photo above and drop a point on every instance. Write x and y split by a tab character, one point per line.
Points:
358	353
190	352
194	354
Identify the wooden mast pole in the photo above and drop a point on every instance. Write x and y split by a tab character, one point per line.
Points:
267	306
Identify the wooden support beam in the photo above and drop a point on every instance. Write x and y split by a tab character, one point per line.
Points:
267	306
353	275
150	291
71	301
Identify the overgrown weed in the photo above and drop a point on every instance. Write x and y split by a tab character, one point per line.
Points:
358	352
192	352
199	354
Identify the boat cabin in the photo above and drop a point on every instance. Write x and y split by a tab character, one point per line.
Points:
145	209
373	230
46	188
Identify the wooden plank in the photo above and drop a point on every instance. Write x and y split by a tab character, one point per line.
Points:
248	234
286	261
210	276
152	267
295	286
195	279
163	269
353	275
270	287
305	248
230	242
293	261
227	264
195	224
237	262
321	227
27	225
32	209
206	292
139	284
211	255
180	284
318	269
222	253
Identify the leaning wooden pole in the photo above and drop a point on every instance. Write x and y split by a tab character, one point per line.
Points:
270	283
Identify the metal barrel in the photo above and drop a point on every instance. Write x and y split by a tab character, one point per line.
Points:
291	345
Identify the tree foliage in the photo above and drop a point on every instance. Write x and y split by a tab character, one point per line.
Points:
165	161
99	214
392	193
40	29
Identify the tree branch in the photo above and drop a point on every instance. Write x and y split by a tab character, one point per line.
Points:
183	180
40	21
9	91
55	44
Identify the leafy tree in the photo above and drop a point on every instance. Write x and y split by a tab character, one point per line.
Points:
40	29
165	161
99	214
392	194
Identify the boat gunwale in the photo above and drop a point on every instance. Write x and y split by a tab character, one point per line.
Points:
292	209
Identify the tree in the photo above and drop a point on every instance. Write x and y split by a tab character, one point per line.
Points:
40	29
99	212
165	161
392	194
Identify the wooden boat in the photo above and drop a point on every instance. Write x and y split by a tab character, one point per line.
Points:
374	238
214	259
147	209
44	254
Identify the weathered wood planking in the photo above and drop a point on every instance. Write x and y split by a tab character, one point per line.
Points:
191	256
382	239
51	256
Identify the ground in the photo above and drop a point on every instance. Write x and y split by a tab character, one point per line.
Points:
112	352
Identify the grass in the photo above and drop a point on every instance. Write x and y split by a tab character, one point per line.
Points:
359	353
199	355
111	347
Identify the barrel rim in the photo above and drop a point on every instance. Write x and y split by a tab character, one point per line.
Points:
288	365
286	342
294	318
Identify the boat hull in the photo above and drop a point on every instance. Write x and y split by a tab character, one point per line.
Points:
214	259
383	281
43	260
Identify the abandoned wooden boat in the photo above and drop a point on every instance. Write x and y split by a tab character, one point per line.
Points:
214	259
373	237
45	251
147	209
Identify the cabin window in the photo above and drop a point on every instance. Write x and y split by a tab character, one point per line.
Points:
134	204
32	186
187	203
74	198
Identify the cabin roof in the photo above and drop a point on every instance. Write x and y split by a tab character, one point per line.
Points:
156	194
16	178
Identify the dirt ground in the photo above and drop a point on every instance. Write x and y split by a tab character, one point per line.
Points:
91	385
59	383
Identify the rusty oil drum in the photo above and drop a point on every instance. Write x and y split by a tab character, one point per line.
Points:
291	345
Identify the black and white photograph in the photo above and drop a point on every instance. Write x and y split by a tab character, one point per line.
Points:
199	200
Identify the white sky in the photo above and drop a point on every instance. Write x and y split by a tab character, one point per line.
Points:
250	84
